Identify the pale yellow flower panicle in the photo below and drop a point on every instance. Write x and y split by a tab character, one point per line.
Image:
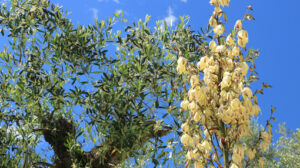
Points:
219	100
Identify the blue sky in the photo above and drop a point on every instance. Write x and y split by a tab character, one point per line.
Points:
274	32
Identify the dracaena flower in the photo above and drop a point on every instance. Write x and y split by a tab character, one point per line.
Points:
236	51
213	21
181	65
219	30
186	140
242	38
226	81
238	24
202	63
247	92
185	127
212	46
184	104
229	40
221	48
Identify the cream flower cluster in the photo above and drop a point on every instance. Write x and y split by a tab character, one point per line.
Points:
221	102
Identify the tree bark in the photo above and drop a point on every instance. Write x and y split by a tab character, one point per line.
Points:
61	129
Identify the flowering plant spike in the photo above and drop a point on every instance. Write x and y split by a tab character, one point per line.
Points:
220	102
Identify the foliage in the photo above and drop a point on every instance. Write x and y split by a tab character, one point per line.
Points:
283	153
251	141
286	149
97	96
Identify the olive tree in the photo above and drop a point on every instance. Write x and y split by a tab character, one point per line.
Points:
285	151
97	96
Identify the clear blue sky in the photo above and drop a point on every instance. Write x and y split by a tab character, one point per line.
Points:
275	32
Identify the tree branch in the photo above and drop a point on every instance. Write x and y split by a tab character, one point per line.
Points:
112	158
104	156
43	164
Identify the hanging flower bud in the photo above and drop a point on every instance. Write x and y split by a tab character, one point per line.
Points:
238	24
219	30
238	153
205	145
212	46
195	153
236	51
229	40
197	117
250	153
202	63
226	81
266	136
229	53
244	67
189	155
192	94
228	64
199	164
226	2
248	105
235	104
247	92
211	61
185	127
184	104
218	11
212	21
233	165
181	65
264	146
220	48
193	106
186	140
255	109
214	2
242	38
194	80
